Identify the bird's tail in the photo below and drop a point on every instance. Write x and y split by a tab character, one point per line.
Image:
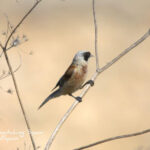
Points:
51	96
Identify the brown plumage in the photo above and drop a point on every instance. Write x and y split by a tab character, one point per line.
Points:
73	78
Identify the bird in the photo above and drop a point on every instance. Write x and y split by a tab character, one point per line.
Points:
74	77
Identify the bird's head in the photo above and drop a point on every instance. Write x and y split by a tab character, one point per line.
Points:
82	57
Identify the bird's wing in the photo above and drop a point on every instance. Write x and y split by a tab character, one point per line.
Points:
67	75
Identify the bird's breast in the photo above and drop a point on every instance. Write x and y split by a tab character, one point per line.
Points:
77	79
80	72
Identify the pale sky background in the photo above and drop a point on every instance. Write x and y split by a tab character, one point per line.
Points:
119	103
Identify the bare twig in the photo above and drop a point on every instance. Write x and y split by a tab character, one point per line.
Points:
1	45
139	41
16	41
114	138
59	125
96	34
26	15
11	71
87	87
17	68
19	98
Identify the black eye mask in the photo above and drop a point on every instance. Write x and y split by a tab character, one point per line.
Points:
86	56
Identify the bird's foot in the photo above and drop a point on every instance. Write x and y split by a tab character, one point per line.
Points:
79	99
91	82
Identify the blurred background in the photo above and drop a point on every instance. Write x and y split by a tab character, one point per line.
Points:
119	103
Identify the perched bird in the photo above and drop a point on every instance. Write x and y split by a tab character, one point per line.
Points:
73	78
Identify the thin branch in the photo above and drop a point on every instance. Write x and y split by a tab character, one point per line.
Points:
139	41
1	45
18	67
96	34
12	74
15	40
114	138
10	47
59	125
19	98
26	15
85	90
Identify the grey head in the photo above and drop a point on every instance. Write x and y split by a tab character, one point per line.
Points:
82	56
